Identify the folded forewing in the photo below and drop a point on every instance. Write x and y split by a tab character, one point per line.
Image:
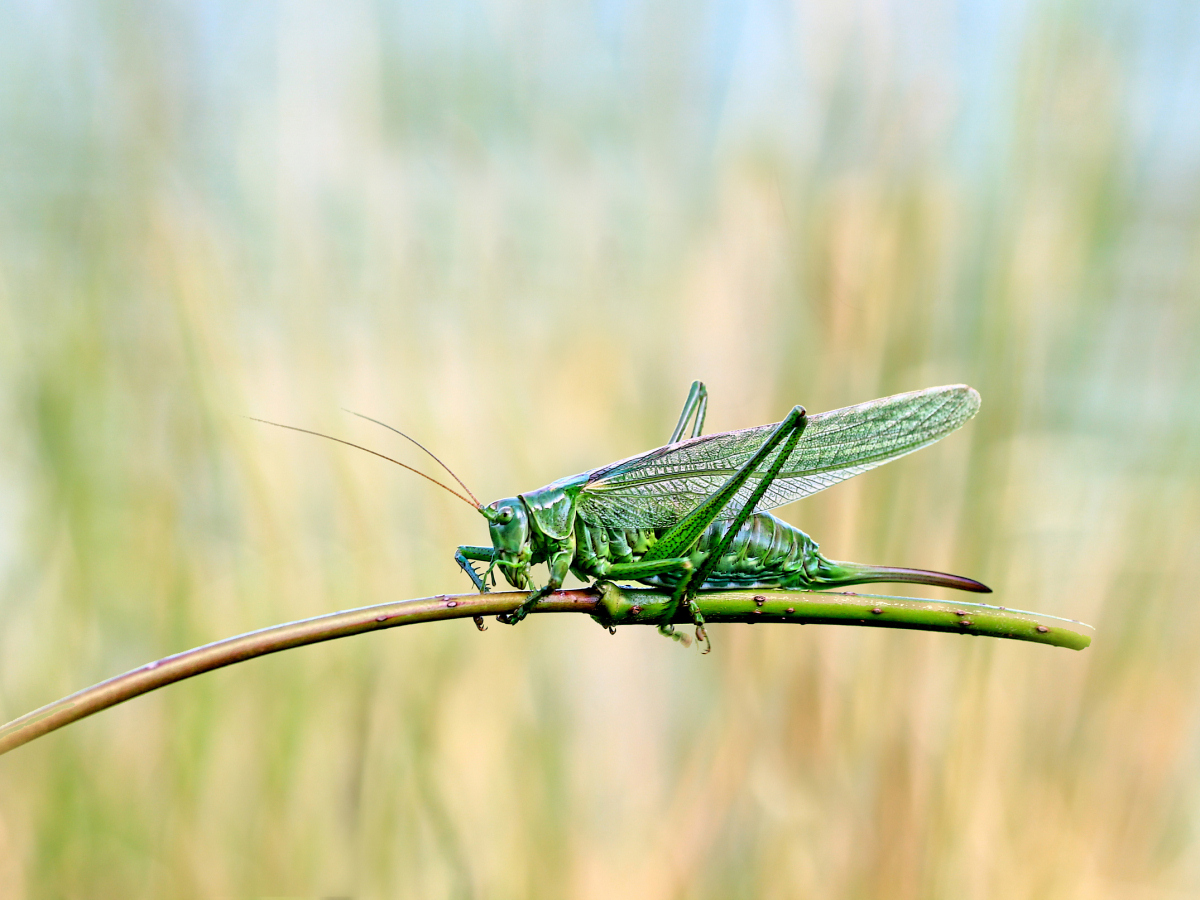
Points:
656	489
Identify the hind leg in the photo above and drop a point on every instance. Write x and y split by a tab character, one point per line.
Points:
696	404
681	538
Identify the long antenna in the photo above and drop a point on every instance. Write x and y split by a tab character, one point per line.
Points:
373	453
423	447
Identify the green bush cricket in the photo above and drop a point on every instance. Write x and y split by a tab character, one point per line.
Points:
692	515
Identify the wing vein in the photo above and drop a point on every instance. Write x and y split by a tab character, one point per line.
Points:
657	488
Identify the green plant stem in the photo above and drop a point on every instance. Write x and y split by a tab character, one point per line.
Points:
608	604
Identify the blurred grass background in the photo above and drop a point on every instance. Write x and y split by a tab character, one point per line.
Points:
518	231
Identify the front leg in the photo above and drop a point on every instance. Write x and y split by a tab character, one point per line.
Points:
559	565
483	554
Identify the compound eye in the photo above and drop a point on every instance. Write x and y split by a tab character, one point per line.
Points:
506	515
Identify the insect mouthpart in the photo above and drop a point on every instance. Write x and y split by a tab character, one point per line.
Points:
516	572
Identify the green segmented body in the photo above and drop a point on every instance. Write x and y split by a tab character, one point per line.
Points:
766	552
692	515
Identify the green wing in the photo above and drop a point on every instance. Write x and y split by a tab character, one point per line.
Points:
656	489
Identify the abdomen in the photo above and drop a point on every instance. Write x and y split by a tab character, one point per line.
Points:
766	552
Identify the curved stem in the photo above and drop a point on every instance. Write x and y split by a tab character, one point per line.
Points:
608	604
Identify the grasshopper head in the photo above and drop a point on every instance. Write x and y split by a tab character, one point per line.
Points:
508	522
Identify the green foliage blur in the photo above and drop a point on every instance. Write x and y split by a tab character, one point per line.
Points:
518	231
